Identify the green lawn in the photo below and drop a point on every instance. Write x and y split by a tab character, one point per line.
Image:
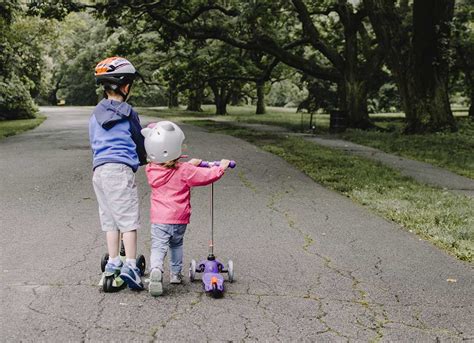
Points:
444	218
14	127
452	151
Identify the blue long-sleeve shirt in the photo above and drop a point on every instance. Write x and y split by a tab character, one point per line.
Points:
115	137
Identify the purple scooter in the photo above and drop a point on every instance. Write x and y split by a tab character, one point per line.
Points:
212	279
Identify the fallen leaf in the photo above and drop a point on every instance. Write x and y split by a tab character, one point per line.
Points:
452	280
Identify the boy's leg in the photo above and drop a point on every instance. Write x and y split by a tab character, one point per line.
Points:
176	252
130	244
113	241
107	221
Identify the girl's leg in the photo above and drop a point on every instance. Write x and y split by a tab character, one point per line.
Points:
176	249
160	240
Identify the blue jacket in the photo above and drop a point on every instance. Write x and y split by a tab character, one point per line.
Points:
115	137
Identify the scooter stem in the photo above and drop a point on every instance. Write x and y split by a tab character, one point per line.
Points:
211	245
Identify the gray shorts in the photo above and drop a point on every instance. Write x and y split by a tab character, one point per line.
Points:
116	191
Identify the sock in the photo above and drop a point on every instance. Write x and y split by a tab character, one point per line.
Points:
132	262
115	260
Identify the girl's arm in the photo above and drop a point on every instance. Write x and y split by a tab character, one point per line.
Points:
195	176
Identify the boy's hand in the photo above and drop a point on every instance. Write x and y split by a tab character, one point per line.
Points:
224	164
195	161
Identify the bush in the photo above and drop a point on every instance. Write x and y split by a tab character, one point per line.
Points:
15	100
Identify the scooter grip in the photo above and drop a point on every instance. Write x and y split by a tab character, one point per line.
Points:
207	164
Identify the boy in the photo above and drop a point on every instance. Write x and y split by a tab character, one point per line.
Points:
118	151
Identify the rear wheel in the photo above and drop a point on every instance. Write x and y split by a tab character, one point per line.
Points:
108	285
216	293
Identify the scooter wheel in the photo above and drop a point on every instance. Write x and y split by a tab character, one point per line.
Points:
192	271
230	270
108	285
141	264
103	261
216	293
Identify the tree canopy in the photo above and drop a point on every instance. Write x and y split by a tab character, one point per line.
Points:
349	55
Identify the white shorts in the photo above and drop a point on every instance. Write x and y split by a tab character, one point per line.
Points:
116	191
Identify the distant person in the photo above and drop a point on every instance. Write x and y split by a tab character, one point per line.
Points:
170	211
118	151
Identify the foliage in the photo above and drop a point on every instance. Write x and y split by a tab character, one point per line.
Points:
286	93
18	64
439	216
15	99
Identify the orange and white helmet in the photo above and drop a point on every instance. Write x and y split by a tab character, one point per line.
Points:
115	70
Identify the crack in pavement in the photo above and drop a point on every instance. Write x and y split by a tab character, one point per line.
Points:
379	316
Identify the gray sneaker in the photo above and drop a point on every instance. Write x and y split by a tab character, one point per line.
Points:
176	278
155	286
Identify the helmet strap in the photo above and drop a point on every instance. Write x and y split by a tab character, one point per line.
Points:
125	95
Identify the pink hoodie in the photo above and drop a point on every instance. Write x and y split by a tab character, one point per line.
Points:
171	190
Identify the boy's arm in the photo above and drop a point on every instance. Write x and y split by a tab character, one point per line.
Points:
196	176
137	137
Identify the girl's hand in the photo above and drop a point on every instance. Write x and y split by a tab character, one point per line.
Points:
224	164
195	161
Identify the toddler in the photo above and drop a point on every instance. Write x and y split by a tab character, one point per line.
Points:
171	182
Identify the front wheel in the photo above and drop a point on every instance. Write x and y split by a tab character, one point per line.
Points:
103	261
230	270
141	264
192	271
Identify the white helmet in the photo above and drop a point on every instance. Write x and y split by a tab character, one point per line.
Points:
163	141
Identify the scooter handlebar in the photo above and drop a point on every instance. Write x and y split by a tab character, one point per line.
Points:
208	164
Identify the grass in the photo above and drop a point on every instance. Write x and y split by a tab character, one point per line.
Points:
14	127
444	218
452	151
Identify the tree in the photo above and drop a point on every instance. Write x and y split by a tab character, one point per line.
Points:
417	48
463	43
19	65
285	31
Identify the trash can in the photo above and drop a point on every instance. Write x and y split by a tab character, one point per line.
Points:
337	121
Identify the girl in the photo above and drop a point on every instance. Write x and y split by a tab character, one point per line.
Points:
170	183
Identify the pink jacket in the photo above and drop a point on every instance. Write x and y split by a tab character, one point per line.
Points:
171	190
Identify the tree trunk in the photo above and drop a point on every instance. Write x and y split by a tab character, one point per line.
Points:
221	97
195	100
353	87
260	98
420	66
355	92
235	94
53	95
173	96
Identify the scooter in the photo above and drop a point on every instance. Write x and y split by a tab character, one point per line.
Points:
212	269
112	282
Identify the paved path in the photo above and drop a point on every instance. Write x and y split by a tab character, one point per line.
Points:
423	172
310	264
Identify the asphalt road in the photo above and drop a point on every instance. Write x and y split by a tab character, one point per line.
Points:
310	265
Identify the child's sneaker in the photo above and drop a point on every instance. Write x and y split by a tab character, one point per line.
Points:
155	287
131	276
176	278
112	268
